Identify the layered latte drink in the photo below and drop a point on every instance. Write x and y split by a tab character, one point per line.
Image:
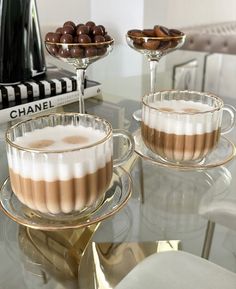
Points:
60	163
181	126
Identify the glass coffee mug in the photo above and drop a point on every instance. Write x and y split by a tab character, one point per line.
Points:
63	163
183	126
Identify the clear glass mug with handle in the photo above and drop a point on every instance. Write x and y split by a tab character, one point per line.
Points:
62	164
184	126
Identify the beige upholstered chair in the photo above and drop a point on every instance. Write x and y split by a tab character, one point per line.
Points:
177	270
213	38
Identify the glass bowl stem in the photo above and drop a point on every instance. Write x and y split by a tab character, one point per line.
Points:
153	74
80	77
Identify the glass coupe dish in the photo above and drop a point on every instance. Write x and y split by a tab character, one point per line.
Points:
154	43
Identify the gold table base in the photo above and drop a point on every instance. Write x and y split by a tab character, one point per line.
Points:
72	259
104	265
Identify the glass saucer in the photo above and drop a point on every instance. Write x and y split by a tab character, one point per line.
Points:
115	198
223	153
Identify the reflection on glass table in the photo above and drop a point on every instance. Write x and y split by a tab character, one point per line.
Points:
170	211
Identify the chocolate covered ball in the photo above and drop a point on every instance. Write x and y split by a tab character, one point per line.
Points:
90	23
69	23
82	29
53	48
77	52
59	30
81	35
101	51
48	36
96	30
99	38
84	38
66	38
90	51
78	25
107	37
103	29
68	30
53	37
64	52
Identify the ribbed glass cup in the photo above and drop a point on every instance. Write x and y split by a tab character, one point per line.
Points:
183	126
60	181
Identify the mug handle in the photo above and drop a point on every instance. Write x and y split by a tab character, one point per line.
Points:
130	149
232	112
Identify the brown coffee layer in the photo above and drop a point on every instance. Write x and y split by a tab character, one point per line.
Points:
179	147
62	196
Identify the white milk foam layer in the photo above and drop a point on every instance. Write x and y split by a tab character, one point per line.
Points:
177	121
57	134
60	166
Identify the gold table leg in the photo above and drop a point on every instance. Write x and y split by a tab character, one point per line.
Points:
54	255
208	239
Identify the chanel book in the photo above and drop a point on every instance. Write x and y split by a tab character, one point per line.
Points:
24	99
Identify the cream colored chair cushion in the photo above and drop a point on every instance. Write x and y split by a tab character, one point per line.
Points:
178	270
213	38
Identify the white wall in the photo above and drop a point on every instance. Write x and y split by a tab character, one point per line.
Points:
56	12
181	13
120	16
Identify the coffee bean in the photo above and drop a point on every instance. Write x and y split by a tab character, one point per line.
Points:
164	45
161	31
135	33
151	44
149	32
175	32
158	38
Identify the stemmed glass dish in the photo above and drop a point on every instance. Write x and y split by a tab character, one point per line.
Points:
80	55
79	45
154	43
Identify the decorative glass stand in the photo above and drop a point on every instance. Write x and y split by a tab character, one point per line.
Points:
154	48
80	55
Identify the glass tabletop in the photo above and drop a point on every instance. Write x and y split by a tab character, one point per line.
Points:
168	209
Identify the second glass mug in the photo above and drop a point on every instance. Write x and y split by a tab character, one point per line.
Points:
183	126
68	180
